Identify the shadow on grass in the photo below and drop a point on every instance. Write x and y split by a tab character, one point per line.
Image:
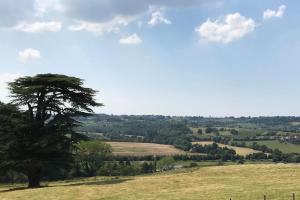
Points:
19	188
96	182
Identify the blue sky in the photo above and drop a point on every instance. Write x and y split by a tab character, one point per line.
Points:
170	57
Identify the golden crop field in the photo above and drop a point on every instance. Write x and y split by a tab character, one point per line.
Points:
238	182
141	149
243	151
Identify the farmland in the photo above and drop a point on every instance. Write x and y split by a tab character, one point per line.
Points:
243	151
240	182
142	149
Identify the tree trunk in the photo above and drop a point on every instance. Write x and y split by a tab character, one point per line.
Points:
34	177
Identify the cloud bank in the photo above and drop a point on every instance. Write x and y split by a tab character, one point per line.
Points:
88	15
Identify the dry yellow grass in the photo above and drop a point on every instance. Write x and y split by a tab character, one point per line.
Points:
243	151
141	149
239	182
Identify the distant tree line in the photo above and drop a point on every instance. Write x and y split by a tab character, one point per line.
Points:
276	123
137	129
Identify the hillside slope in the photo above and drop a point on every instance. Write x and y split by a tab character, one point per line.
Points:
241	182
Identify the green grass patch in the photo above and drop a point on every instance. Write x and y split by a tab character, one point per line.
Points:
238	182
275	144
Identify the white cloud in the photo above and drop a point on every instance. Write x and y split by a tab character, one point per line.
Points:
132	39
38	27
112	25
158	17
269	14
29	54
226	29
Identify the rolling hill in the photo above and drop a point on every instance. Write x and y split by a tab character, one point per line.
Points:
238	182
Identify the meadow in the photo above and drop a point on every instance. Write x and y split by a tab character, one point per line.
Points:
243	151
238	182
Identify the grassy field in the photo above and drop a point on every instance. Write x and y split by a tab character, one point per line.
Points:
274	144
141	149
239	182
243	132
239	150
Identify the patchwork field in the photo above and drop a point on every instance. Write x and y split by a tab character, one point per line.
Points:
238	182
274	144
243	151
141	149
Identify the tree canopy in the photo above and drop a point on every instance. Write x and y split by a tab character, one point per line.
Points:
44	108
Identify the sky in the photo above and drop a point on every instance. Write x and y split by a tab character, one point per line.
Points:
163	57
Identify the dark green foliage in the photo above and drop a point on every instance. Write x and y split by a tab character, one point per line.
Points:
193	164
213	149
12	130
241	161
90	155
166	163
148	167
113	168
12	177
209	130
292	158
234	132
257	156
42	136
238	144
276	123
221	139
262	148
183	142
199	131
277	155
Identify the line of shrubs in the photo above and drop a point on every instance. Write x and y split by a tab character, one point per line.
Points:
96	159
